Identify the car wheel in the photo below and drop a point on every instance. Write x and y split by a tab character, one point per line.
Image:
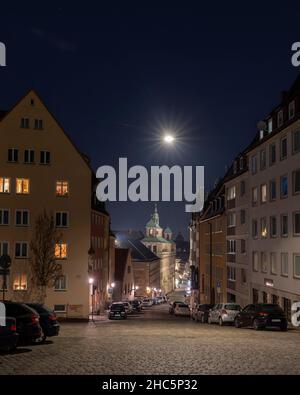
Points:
237	323
221	323
256	325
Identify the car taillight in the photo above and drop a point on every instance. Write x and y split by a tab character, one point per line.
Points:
13	328
35	319
262	314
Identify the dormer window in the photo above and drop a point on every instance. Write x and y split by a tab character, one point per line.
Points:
292	109
270	125
279	118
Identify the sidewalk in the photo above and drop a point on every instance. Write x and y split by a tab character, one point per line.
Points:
99	317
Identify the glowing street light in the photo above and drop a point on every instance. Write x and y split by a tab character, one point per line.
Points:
112	285
169	139
91	281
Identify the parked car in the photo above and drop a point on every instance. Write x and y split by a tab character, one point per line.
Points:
128	307
261	316
223	313
202	312
136	305
172	307
117	311
147	302
27	321
8	335
182	309
48	320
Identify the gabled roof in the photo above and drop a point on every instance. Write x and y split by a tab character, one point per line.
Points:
139	252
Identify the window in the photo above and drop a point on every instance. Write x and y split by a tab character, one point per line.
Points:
231	220
243	276
13	155
255	261
284	264
231	247
61	251
254	164
243	246
279	118
24	123
283	187
296	182
38	124
4	216
273	263
273	226
22	186
292	109
296	223
59	308
272	190
263	193
254	228
231	193
20	282
4	185
263	262
28	156
284	225
272	154
231	273
263	227
44	157
22	217
270	125
62	188
296	141
243	188
254	196
60	283
297	265
283	148
62	219
263	159
21	249
241	163
243	216
4	248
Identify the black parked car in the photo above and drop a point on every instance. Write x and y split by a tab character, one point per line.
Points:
8	335
262	315
136	305
201	314
48	320
172	307
117	311
27	320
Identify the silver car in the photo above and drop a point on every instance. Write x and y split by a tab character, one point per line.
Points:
223	313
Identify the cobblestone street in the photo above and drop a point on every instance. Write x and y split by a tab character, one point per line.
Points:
156	343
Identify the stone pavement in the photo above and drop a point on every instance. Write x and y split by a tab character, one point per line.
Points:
156	343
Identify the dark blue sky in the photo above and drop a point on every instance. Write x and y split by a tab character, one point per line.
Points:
116	74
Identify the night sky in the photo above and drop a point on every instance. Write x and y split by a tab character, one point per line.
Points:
117	75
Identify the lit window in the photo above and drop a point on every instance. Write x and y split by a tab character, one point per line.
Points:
62	188
231	193
61	251
263	193
20	282
292	109
231	246
263	227
270	125
22	186
4	185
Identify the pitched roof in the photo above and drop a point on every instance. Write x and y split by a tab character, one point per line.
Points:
139	252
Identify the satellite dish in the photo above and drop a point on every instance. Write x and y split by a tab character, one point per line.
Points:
261	125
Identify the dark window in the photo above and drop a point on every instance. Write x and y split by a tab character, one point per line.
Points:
22	217
13	155
296	181
21	250
296	141
243	188
272	190
24	123
243	216
263	160
61	219
272	154
296	224
4	217
28	156
284	225
283	148
38	124
283	186
45	157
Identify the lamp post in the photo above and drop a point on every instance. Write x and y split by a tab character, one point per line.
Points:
91	282
5	263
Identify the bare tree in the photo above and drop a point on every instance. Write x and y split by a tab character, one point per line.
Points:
44	266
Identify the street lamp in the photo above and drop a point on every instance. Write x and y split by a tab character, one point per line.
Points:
91	282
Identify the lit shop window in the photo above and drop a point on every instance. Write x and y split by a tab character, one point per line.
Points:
61	251
22	186
4	185
62	188
20	282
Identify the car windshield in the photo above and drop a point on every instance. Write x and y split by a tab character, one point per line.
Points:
39	308
232	307
118	307
269	307
183	305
